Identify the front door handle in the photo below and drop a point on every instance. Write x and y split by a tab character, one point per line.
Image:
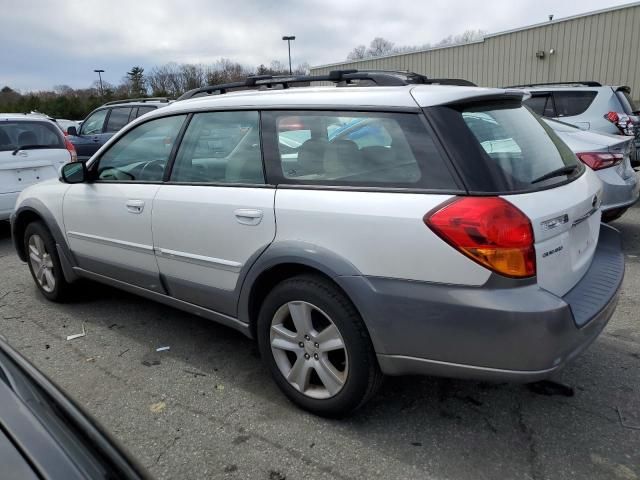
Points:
248	216
135	206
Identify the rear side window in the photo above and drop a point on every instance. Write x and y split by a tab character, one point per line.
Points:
367	149
22	134
572	103
118	118
220	147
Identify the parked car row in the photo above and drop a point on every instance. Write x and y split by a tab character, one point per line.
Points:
423	227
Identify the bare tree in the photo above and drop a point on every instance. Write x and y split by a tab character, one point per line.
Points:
380	46
358	53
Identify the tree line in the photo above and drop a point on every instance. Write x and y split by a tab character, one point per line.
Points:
169	80
380	47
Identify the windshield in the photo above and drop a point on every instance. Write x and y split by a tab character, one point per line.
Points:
521	145
22	134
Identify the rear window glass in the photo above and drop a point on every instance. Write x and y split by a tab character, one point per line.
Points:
523	147
572	102
359	149
628	105
22	134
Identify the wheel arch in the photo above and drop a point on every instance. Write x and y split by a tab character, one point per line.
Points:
285	260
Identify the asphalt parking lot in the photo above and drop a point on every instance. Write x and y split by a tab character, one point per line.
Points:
206	408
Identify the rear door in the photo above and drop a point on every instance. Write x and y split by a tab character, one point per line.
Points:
216	215
525	155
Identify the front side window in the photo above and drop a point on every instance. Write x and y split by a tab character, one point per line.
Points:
93	125
522	148
542	105
119	118
142	153
220	147
358	149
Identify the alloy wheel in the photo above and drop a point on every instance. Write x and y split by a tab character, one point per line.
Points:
41	263
309	350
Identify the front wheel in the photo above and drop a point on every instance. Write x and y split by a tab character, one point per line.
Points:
316	346
44	262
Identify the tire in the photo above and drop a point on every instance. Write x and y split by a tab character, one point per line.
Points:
333	381
50	280
612	215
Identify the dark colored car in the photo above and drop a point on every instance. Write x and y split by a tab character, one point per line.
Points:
45	435
101	124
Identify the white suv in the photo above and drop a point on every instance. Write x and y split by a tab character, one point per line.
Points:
354	231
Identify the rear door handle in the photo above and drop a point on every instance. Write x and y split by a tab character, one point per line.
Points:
248	216
135	206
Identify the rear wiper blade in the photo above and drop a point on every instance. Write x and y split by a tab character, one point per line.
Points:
566	170
29	147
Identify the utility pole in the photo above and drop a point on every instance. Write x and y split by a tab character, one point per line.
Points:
288	39
99	72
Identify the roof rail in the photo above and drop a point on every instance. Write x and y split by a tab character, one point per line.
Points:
586	83
141	100
381	78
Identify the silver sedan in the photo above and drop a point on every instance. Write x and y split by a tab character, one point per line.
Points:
609	156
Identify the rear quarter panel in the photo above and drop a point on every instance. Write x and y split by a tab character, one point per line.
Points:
381	234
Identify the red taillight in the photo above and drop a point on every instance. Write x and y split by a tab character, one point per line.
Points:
71	149
612	117
490	231
600	160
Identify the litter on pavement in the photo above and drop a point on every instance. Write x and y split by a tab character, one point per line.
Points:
77	335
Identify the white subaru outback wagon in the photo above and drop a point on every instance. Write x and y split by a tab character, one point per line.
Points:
398	228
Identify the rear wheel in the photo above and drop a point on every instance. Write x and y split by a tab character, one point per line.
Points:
44	262
611	215
316	346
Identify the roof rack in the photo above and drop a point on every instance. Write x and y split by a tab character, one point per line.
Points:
141	100
586	83
381	78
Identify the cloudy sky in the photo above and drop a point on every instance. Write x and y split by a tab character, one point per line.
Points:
47	43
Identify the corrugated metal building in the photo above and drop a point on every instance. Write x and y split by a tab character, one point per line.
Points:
603	46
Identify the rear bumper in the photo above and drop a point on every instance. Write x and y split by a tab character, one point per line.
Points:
505	330
618	192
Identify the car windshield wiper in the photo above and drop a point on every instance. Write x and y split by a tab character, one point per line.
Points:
566	170
29	147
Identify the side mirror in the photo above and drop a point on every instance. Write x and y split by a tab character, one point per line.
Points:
74	172
72	131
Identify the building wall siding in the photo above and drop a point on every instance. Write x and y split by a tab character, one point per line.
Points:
604	46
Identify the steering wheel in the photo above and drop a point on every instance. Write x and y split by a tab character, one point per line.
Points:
154	168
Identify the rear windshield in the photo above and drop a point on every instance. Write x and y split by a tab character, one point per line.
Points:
507	148
22	134
629	106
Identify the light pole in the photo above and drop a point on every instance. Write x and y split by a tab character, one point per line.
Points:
99	72
288	39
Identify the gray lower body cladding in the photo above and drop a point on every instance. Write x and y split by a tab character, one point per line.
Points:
510	333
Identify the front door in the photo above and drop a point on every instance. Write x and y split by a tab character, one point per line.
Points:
90	137
216	215
108	221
